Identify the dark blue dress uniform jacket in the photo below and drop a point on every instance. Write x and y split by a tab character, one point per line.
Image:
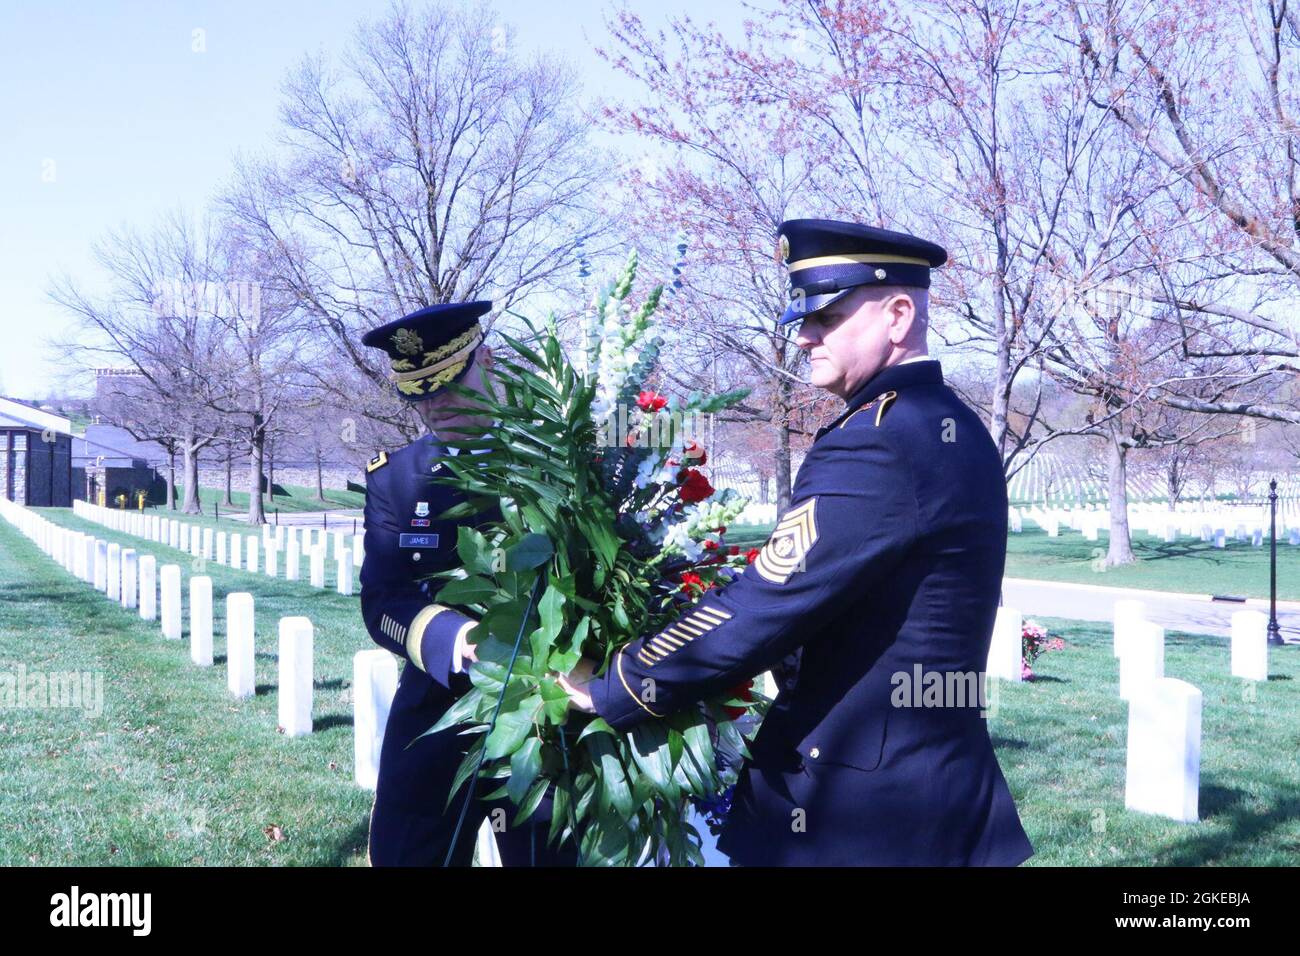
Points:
889	558
405	542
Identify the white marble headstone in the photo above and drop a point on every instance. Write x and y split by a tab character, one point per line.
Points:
1163	771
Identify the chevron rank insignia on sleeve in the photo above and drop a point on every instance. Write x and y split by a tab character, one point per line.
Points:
789	544
374	464
699	622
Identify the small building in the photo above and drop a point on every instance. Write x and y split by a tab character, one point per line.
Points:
104	473
35	456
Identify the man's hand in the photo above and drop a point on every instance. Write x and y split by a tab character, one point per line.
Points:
576	683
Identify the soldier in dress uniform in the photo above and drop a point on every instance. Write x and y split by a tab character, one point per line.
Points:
884	574
406	542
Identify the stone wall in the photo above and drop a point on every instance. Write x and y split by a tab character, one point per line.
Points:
334	477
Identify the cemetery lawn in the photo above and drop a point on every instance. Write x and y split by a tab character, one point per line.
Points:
299	498
1191	566
175	772
1060	740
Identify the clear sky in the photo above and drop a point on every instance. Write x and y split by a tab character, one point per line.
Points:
110	117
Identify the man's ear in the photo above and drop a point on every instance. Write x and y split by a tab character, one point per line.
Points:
902	312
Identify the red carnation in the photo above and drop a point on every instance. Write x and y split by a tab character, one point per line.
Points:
650	401
734	549
695	452
751	555
692	580
741	691
694	487
710	544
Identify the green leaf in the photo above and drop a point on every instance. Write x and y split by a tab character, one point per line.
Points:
531	799
555	701
597	726
560	823
513	728
470	590
652	755
614	789
473	550
464	770
525	765
462	711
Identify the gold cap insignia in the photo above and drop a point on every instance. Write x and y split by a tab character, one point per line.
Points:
408	342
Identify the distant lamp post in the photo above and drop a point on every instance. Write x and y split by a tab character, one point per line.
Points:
1274	632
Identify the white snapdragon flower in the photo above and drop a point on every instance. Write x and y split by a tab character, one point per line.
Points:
679	539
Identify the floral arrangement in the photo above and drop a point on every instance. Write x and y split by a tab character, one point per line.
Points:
609	530
1034	640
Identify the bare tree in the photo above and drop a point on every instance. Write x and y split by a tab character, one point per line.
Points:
152	321
430	164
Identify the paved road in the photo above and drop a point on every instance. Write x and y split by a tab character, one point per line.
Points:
1194	613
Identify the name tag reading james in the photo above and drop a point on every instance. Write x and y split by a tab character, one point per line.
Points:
417	541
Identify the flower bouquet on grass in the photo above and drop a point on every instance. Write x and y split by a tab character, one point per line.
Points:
1034	641
608	532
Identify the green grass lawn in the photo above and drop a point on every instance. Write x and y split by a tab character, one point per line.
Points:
175	772
1190	566
299	498
1061	742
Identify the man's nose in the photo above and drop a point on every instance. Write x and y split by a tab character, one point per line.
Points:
806	337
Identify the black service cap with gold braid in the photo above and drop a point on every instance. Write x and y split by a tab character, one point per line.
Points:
430	348
826	259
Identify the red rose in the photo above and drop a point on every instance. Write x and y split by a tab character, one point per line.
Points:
692	580
650	401
694	487
710	544
734	549
721	529
751	555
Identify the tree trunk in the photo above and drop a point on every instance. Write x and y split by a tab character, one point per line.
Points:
171	481
190	462
256	515
270	474
1121	546
320	479
230	467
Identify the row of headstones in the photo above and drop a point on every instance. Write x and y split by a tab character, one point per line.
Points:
242	552
131	579
136	582
1163	767
1092	525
